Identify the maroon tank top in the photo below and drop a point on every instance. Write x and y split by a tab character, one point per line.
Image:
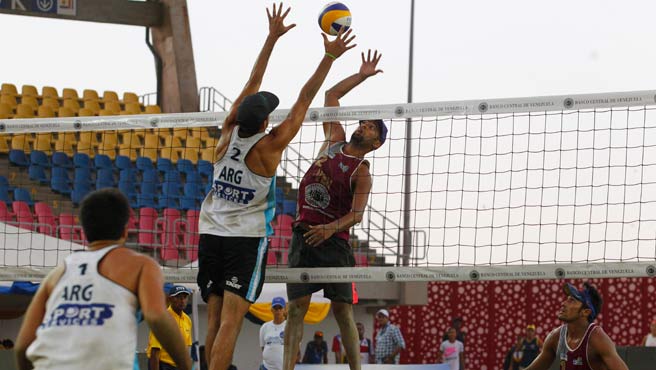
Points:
574	359
325	193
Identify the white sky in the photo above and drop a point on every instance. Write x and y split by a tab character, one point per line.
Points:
463	49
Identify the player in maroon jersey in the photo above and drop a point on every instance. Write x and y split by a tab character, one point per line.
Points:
579	344
332	197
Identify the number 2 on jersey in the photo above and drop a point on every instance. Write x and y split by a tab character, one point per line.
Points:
236	154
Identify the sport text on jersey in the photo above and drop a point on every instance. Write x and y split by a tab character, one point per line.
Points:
78	312
228	189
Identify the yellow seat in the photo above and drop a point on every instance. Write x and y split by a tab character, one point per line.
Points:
4	143
93	106
72	104
65	112
172	148
31	101
129	143
20	142
66	147
45	112
132	108
129	97
10	100
207	154
24	111
86	148
108	143
105	112
8	89
69	93
180	132
193	142
113	106
66	137
211	142
129	152
153	109
110	96
29	90
52	103
43	142
191	154
49	92
89	94
84	112
5	111
150	147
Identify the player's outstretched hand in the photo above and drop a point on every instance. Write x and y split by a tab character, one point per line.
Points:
340	44
277	27
318	234
368	67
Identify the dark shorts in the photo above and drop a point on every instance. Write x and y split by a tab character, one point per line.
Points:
236	264
165	366
334	252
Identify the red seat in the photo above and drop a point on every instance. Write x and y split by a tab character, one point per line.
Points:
191	235
361	259
5	215
147	236
69	229
282	232
271	258
24	218
171	233
132	221
47	222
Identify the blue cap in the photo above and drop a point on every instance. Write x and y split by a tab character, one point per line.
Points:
582	296
178	289
278	301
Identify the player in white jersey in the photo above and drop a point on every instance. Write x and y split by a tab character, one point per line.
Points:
235	215
84	314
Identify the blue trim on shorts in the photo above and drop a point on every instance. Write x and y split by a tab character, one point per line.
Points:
270	210
257	275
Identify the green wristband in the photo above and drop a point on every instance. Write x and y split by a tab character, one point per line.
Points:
331	56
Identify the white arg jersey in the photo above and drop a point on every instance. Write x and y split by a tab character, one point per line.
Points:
240	203
272	340
90	321
651	341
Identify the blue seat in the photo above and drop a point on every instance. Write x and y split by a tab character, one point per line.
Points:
5	183
144	163
80	190
82	174
164	164
23	195
146	200
150	182
37	173
60	159
4	195
168	202
192	189
59	181
123	162
173	176
130	190
82	160
205	168
102	161
39	158
129	174
104	179
18	158
186	166
187	203
289	207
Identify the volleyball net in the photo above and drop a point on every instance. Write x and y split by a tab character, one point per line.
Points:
527	188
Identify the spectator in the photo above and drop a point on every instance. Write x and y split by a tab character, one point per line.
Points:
389	341
453	351
338	349
650	339
530	347
316	351
158	358
366	347
514	355
456	323
7	344
272	336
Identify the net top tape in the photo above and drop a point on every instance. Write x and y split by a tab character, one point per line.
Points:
389	111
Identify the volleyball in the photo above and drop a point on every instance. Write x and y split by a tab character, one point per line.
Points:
333	17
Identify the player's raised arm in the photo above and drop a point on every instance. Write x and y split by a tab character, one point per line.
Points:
283	134
333	130
277	28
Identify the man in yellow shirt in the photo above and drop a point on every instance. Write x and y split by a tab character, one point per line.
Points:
158	358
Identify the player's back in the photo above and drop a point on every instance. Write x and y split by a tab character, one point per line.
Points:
90	319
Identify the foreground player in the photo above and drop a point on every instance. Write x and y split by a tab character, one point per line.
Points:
235	216
332	197
579	344
84	314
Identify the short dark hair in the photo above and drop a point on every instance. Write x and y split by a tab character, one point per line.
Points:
597	301
104	214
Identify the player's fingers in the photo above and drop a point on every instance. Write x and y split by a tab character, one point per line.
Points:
369	55
268	14
286	12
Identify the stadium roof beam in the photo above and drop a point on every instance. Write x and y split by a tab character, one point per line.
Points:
133	13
